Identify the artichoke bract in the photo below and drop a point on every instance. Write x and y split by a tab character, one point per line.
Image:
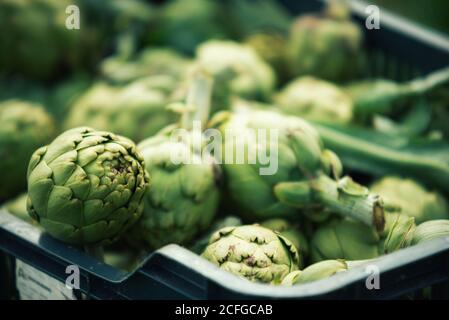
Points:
317	271
315	99
237	71
24	127
295	174
137	110
87	186
253	252
430	230
411	198
324	47
398	233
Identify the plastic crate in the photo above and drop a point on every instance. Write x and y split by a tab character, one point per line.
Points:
174	272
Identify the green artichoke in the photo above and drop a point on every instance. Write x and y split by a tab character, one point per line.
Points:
86	187
398	233
315	99
201	243
296	173
253	252
317	271
24	127
237	71
184	198
183	25
271	47
430	230
149	62
291	232
324	47
137	110
344	239
411	198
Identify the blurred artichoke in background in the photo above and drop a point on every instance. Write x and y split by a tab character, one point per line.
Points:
291	232
24	127
37	43
317	271
430	230
86	187
253	252
149	62
271	47
237	71
295	174
183	25
412	199
137	110
316	100
327	47
344	239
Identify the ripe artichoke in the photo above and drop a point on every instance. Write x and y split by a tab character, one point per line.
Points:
86	187
137	110
183	200
293	173
24	127
149	62
291	232
324	47
430	230
315	99
317	271
253	252
237	70
412	199
344	239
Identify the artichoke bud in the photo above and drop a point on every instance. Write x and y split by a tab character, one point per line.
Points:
317	271
431	230
331	164
86	187
254	252
412	199
399	229
306	150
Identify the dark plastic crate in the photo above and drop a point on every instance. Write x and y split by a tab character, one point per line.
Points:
174	272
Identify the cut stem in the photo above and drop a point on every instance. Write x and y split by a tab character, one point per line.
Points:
354	201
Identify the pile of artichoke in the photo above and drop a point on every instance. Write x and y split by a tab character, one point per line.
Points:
90	121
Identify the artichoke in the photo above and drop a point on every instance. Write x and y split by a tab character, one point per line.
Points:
24	127
344	239
296	172
411	198
315	99
324	47
86	187
184	198
137	110
398	233
291	232
237	70
183	25
253	252
317	271
149	62
430	230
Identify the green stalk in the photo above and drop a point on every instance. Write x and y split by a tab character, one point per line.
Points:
428	83
344	197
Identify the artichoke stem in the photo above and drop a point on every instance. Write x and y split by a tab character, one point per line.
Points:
95	251
428	83
198	101
328	193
